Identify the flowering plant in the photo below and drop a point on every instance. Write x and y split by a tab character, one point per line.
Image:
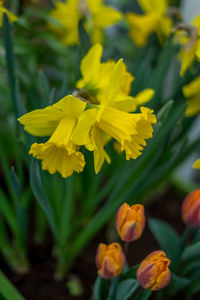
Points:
98	101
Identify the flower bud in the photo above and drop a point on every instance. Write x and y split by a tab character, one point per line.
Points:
153	272
130	222
191	209
110	260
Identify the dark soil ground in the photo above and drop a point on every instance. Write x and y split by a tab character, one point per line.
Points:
39	283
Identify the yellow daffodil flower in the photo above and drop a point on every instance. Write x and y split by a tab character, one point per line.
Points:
96	80
192	92
189	37
95	15
109	119
78	121
57	121
153	20
11	17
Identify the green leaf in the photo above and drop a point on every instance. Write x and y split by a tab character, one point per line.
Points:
143	295
131	273
100	289
67	211
20	211
193	288
164	112
84	38
166	237
177	283
21	110
191	251
190	266
7	212
8	44
43	87
41	197
125	289
16	185
7	290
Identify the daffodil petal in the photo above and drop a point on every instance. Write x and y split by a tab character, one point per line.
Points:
144	96
91	63
81	134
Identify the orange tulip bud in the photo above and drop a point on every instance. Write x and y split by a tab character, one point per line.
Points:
153	272
191	209
130	222
110	260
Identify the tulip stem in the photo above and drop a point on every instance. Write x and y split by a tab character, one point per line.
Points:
126	248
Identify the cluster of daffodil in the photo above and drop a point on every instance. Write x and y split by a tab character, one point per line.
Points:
95	15
100	110
153	272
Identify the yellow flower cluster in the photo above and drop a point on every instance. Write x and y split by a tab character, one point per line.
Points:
100	111
189	37
95	15
11	17
154	20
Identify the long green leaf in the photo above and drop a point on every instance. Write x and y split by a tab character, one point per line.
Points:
125	289
191	251
7	290
166	237
41	197
8	44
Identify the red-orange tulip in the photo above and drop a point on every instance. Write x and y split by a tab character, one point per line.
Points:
130	222
191	209
110	260
153	272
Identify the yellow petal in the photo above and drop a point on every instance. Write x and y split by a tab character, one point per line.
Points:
196	22
106	16
57	159
59	154
42	122
71	106
124	103
99	139
192	88
91	63
144	131
81	134
62	134
142	26
187	57
196	164
193	107
11	17
144	96
153	5
115	82
116	123
65	26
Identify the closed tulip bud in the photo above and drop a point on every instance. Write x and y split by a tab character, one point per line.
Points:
130	222
191	209
110	260
153	272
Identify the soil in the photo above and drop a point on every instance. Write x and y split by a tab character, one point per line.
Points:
39	283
